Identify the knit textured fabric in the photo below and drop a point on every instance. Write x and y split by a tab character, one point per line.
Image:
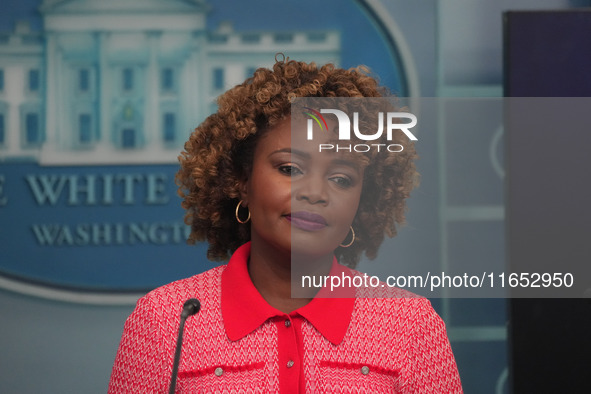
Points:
392	345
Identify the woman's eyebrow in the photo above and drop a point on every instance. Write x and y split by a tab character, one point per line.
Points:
291	151
355	164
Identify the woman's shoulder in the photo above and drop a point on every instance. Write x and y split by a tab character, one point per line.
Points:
370	287
400	306
206	287
384	302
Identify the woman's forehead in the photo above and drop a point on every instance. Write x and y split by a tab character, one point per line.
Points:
289	136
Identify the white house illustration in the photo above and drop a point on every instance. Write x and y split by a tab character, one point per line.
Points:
126	81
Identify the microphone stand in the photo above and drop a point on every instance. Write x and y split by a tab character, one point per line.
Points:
190	307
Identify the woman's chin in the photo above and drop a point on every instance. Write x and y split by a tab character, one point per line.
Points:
306	251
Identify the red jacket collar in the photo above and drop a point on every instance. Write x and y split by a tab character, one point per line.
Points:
244	309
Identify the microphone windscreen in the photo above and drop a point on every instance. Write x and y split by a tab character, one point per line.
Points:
192	306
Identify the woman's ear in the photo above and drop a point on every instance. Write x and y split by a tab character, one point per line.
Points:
243	188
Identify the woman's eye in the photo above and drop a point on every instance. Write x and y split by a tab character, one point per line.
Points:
289	169
342	181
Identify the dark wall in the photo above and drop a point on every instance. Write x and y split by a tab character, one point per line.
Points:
548	54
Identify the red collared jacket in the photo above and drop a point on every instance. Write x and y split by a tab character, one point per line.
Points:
361	345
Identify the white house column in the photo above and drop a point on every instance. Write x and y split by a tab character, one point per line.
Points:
194	96
14	85
63	124
57	125
189	100
104	92
51	104
152	123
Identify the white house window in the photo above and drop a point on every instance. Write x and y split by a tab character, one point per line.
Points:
283	38
250	38
167	79
32	130
84	128
34	80
129	127
217	38
317	37
218	78
127	79
169	127
128	138
84	80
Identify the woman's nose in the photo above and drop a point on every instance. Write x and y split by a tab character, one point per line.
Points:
312	189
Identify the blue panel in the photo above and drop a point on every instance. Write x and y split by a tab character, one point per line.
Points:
125	232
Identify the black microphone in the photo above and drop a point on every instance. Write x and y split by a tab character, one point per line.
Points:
190	307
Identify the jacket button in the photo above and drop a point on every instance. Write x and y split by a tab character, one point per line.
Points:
218	371
287	323
290	364
365	370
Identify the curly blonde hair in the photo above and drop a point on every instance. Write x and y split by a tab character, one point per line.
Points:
218	157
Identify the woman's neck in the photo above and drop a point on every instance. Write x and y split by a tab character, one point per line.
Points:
271	273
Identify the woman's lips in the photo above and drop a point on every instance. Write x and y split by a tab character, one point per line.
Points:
307	221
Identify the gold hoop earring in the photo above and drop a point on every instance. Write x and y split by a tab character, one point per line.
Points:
352	239
238	218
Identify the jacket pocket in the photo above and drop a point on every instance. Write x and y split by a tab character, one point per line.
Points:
248	378
343	377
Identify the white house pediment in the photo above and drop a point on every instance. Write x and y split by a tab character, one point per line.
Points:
123	6
123	15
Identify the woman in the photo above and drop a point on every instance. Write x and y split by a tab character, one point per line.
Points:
274	203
